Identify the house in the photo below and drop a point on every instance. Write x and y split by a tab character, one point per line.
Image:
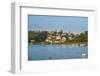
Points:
58	37
63	39
70	38
32	40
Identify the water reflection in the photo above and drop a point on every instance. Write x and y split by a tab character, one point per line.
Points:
52	52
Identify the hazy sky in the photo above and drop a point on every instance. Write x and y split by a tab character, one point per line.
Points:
73	24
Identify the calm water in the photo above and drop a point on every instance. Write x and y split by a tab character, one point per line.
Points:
46	52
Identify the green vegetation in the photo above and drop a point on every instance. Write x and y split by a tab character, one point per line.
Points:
82	37
37	36
57	37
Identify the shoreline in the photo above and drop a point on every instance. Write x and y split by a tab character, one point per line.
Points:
66	43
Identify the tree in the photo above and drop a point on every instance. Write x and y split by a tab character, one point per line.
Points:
40	37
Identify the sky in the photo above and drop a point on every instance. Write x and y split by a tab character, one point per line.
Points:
73	24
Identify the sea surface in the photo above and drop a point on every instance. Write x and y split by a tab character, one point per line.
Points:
53	52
